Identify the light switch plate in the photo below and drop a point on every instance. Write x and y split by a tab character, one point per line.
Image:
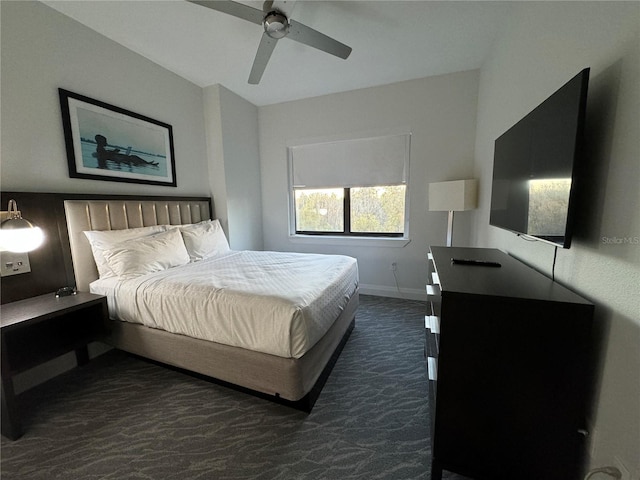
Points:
12	263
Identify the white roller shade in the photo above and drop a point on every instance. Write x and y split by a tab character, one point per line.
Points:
362	162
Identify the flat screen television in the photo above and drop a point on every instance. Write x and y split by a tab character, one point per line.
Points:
534	167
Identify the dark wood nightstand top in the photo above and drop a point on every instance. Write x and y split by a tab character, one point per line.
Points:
43	307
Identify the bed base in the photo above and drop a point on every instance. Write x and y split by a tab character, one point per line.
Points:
284	380
305	404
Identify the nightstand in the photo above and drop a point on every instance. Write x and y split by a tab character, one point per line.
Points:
39	329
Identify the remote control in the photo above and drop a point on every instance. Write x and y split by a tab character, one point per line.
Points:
480	263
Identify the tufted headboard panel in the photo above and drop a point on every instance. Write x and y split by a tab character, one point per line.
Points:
96	214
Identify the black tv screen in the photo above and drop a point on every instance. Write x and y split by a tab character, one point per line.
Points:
534	166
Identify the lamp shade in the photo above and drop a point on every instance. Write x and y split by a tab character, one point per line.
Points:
456	195
18	234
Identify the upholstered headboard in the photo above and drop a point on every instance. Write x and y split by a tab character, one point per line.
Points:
96	214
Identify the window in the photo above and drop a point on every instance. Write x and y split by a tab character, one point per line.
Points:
362	211
351	187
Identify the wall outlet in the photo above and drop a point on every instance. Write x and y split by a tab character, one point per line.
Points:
622	467
12	263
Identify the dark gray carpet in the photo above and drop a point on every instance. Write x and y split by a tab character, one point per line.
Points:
121	417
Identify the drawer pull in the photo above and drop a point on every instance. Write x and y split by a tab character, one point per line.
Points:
432	367
427	322
430	256
434	323
435	277
432	291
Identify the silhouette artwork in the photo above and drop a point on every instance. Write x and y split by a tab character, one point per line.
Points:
103	156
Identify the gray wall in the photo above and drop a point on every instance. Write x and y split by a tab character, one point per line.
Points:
543	46
234	166
43	50
440	113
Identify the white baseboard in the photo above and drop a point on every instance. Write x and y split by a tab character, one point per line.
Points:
382	291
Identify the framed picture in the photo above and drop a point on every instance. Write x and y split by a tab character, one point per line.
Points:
113	144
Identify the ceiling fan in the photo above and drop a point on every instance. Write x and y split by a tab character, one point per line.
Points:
276	25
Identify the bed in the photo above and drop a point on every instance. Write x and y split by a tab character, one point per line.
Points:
289	368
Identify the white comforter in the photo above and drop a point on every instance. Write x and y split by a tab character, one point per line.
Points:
271	302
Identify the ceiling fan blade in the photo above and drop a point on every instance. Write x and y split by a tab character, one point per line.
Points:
267	6
265	49
303	34
236	9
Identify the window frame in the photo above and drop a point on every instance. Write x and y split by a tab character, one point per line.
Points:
346	217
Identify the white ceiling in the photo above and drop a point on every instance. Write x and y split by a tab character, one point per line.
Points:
392	41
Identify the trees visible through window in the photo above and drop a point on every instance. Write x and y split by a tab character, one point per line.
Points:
320	210
363	211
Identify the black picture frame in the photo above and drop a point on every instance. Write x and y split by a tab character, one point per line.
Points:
109	143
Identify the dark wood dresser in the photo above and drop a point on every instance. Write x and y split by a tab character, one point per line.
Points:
508	353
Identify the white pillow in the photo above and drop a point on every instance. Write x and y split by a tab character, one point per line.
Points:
104	240
205	239
153	253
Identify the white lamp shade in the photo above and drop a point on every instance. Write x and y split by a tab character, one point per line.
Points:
16	233
456	196
21	239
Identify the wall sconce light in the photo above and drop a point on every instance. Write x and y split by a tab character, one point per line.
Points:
18	234
457	195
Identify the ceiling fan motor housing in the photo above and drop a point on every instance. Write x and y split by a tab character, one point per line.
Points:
276	24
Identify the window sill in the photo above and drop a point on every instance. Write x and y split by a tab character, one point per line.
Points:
350	241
